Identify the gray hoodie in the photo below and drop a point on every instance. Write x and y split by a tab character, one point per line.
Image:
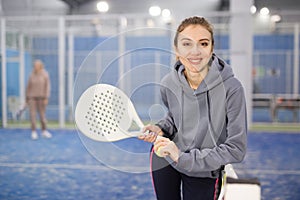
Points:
209	124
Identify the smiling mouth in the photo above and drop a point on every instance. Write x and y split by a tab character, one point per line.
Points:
195	61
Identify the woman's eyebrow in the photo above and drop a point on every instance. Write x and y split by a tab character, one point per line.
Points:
189	39
204	39
186	39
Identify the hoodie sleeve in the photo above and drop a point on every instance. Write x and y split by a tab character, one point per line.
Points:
167	123
232	150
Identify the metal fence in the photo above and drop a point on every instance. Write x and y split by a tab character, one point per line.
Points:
126	51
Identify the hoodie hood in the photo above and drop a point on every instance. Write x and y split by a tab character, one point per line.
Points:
219	71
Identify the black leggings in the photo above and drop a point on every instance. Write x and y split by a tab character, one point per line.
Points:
167	183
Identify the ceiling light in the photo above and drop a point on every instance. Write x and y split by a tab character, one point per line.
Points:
166	13
253	9
166	16
102	6
264	11
276	18
154	10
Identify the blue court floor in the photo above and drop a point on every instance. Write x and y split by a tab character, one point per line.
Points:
68	167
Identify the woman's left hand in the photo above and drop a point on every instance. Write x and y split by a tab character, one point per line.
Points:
166	148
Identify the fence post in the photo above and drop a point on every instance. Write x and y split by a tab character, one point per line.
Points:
296	59
61	70
241	47
3	73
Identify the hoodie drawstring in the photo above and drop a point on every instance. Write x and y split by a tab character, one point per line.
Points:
210	127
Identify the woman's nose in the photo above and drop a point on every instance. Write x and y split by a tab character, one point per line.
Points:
196	49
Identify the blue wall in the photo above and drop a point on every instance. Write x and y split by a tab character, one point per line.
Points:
141	50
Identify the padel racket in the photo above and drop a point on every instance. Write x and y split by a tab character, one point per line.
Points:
105	113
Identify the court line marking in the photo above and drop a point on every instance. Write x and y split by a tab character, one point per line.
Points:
126	168
72	166
268	171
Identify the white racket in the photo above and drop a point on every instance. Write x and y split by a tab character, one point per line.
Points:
105	113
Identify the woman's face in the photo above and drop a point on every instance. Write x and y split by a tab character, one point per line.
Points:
38	66
194	48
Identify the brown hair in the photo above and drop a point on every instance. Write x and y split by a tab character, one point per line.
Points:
194	21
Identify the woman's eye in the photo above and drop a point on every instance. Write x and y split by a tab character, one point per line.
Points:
205	44
186	44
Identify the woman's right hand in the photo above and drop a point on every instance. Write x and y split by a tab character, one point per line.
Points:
150	133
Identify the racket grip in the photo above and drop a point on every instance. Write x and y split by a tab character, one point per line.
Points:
158	137
148	132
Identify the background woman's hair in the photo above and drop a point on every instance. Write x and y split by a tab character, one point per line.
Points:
40	62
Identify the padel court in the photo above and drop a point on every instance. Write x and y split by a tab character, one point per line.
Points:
63	168
134	52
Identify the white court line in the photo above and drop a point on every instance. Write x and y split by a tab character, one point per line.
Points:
71	166
268	171
126	168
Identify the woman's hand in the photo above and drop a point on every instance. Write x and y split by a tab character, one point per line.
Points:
164	147
150	133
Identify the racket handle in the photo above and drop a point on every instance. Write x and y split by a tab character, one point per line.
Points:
158	137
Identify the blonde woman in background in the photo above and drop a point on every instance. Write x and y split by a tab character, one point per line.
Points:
37	95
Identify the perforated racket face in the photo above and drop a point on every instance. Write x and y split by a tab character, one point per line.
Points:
102	113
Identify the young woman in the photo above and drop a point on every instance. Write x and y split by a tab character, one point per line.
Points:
37	95
205	127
